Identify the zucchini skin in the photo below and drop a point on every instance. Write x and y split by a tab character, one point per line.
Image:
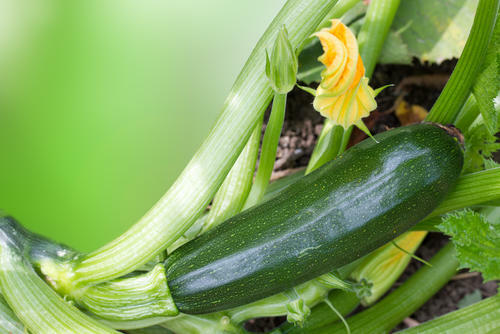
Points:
329	218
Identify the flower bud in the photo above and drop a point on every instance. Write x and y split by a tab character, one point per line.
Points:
282	67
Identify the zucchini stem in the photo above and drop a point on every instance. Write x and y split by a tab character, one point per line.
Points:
482	317
459	86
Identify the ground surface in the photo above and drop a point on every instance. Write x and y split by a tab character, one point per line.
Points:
419	86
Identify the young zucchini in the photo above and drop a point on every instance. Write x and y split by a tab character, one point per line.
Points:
345	209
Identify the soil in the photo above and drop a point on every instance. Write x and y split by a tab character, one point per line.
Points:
418	84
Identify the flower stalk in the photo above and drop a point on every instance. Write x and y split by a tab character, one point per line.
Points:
281	70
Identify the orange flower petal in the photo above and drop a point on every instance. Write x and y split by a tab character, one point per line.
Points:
343	95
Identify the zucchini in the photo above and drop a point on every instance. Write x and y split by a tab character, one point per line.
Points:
340	212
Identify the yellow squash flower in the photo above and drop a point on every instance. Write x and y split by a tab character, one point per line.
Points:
343	94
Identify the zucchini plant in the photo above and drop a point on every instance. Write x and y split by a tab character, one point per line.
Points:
311	247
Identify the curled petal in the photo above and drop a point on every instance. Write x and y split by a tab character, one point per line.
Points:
343	95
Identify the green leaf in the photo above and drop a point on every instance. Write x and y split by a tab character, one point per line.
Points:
309	66
480	145
487	85
470	299
431	30
477	242
395	50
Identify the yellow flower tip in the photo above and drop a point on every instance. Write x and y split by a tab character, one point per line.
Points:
343	95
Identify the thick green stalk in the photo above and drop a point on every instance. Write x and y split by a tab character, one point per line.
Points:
231	196
9	322
374	31
386	314
268	151
459	86
233	193
39	307
140	297
480	318
471	189
196	186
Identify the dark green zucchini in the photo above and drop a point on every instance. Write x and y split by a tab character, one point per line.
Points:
345	209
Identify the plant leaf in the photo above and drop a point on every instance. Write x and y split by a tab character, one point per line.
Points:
476	241
487	85
395	50
433	30
480	145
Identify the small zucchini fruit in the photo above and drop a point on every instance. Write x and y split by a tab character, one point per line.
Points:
349	207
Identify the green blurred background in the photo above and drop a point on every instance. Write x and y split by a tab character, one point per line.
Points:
102	103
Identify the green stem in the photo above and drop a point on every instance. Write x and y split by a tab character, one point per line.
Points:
233	193
9	322
386	314
198	183
311	292
467	115
371	37
39	307
459	86
150	330
480	318
345	302
133	298
202	324
268	151
471	189
327	147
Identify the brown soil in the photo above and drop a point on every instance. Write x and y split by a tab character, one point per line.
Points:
419	84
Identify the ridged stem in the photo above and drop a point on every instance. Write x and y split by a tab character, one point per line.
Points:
268	151
471	189
479	318
459	86
371	37
402	302
234	192
9	322
39	307
134	298
196	186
